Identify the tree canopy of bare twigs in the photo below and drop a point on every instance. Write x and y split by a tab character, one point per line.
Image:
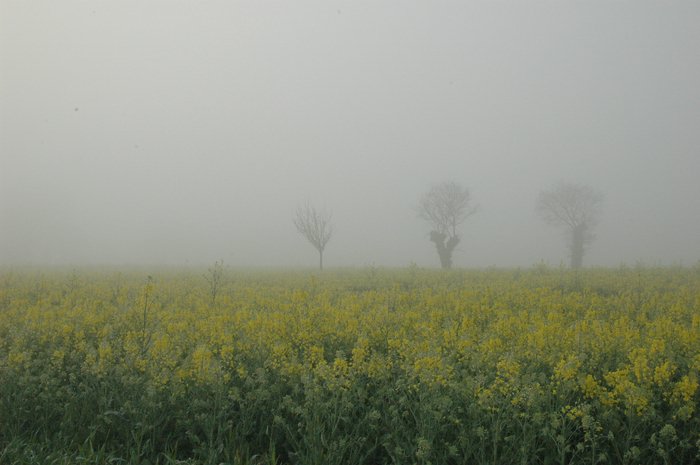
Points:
445	207
575	207
315	225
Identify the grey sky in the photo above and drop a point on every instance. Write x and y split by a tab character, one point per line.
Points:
187	131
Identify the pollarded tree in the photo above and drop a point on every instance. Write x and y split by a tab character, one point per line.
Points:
315	226
575	207
445	207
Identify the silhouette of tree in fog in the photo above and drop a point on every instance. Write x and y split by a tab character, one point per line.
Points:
575	207
315	226
445	207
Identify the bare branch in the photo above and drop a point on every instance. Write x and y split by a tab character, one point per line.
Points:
446	206
315	225
570	205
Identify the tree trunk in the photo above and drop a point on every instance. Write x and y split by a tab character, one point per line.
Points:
444	250
578	234
445	259
450	247
320	259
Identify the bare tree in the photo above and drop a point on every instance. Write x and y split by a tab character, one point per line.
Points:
445	207
215	278
315	226
575	207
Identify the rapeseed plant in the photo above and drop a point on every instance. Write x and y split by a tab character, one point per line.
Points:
401	366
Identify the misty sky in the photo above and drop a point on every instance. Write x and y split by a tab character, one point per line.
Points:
182	132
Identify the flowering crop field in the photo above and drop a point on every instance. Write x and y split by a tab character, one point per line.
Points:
410	366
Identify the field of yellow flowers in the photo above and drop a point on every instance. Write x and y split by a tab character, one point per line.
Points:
411	366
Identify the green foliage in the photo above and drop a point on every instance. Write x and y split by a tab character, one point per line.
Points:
351	367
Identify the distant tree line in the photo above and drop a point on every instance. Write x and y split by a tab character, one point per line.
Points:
576	208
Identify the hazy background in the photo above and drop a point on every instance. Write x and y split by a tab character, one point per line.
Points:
181	132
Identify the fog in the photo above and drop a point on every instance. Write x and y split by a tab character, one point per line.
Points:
183	132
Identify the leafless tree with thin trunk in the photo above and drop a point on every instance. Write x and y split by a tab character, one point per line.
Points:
215	278
445	207
315	225
575	207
